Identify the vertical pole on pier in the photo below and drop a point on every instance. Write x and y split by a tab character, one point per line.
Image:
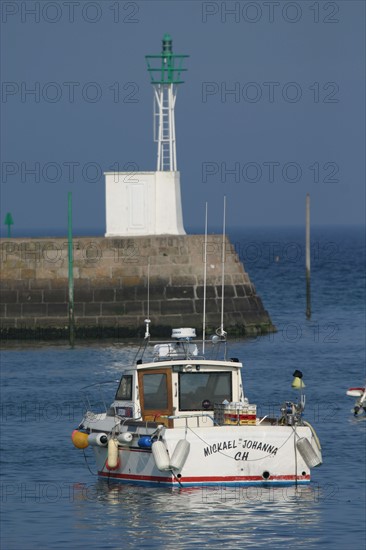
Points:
71	273
307	258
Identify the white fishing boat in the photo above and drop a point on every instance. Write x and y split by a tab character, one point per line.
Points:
182	419
360	403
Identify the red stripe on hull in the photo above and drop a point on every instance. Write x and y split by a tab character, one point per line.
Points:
202	479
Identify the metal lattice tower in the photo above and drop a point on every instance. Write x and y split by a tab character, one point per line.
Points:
165	72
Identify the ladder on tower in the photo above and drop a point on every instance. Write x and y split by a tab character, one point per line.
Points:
164	126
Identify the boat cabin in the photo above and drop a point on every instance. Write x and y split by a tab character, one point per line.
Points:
179	392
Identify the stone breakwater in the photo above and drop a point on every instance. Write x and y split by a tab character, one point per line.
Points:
110	287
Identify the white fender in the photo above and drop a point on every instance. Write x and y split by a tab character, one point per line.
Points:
98	439
125	438
307	452
112	461
161	456
180	454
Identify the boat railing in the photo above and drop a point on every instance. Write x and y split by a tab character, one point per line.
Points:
186	417
95	398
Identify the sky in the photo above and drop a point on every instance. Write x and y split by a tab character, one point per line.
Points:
272	108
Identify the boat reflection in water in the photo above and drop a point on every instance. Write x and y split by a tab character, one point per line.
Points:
230	515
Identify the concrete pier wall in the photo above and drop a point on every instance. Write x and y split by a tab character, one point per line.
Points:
110	281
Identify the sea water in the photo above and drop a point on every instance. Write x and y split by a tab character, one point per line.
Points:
51	498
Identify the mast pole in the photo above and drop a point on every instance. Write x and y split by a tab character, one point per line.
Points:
307	261
222	332
204	286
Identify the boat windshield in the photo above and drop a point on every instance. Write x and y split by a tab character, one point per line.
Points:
201	390
124	392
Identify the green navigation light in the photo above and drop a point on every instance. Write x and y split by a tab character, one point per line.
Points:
167	67
9	222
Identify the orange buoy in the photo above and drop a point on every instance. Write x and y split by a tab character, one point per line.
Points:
79	439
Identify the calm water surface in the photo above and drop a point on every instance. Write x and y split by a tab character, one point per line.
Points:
51	500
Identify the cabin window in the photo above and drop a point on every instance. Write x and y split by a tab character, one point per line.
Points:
155	391
196	387
124	392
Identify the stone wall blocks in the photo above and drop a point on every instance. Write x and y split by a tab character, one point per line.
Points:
242	304
113	271
28	273
185	280
127	293
249	290
79	309
54	296
253	303
8	296
10	274
127	270
179	307
14	284
56	322
56	310
160	259
92	308
111	321
61	283
81	295
113	308
104	282
181	260
179	292
12	263
13	310
27	296
238	278
81	284
240	290
212	305
43	284
229	291
156	292
130	281
34	310
133	308
213	278
210	292
154	307
51	273
104	295
89	321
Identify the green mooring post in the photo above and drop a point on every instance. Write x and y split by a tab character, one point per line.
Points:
71	273
9	222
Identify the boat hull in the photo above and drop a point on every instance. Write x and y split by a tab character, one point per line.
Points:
238	455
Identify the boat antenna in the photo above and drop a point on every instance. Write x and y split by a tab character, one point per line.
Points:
222	333
147	320
204	286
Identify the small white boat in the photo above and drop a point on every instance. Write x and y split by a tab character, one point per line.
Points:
181	419
360	403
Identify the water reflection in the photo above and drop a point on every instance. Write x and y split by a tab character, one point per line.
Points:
231	516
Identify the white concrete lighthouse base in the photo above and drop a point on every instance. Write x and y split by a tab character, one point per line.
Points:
143	203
